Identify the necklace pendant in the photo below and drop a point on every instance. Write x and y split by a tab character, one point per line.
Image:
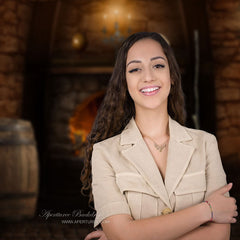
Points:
160	147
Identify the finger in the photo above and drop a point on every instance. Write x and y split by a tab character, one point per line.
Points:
234	220
235	214
103	238
93	234
225	188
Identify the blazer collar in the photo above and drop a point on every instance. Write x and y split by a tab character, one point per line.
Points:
179	155
131	133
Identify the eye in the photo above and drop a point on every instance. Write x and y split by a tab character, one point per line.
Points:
158	66
134	70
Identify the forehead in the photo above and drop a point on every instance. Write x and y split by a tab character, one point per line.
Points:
145	48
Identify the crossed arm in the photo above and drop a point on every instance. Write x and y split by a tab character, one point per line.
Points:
210	231
182	225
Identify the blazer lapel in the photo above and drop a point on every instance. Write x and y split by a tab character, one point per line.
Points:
137	152
180	152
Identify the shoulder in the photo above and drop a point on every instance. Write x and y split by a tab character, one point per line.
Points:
201	135
108	144
182	133
130	134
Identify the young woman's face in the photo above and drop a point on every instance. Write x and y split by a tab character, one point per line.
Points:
148	75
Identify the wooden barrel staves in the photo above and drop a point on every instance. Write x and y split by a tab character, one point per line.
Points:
19	170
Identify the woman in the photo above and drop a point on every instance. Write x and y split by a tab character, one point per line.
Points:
152	178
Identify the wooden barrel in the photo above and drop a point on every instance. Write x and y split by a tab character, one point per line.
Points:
19	171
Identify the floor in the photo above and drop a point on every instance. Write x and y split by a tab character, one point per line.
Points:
42	229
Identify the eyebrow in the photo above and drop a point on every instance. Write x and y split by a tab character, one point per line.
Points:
154	58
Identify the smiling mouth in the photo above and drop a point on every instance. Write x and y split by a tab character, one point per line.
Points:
149	90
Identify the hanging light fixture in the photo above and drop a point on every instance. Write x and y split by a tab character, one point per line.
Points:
116	26
78	41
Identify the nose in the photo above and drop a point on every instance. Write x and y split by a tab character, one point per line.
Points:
148	75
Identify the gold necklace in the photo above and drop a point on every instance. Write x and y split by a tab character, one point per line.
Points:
157	146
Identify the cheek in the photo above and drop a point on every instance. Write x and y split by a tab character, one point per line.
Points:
131	86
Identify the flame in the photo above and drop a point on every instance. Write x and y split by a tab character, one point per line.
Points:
80	123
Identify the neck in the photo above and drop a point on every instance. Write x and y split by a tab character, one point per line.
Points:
153	123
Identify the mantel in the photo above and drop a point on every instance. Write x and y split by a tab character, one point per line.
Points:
82	70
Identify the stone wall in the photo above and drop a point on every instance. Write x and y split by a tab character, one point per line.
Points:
224	20
14	25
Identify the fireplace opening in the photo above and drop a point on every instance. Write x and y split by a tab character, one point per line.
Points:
81	121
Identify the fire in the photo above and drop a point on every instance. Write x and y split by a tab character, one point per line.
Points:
80	123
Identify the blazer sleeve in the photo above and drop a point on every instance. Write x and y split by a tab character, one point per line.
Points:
108	200
215	175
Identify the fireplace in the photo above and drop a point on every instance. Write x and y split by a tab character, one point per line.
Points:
81	122
71	105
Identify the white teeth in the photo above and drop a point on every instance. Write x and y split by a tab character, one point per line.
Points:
149	89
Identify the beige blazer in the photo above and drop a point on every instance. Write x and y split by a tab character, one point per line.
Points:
126	179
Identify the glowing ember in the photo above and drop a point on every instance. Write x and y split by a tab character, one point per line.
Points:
80	123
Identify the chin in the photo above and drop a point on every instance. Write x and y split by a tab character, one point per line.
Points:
151	107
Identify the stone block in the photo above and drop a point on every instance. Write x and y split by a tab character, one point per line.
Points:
223	5
17	91
67	102
230	43
227	35
4	93
11	80
3	79
232	70
233	83
237	56
221	82
222	132
229	145
10	4
81	96
90	84
9	29
24	12
228	94
224	123
62	86
223	55
10	109
220	111
22	46
227	22
234	131
23	29
9	44
19	63
10	17
59	115
61	132
7	63
236	123
233	109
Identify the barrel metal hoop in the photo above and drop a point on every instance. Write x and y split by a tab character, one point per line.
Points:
4	142
17	195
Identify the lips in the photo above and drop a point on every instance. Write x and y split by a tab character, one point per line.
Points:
150	90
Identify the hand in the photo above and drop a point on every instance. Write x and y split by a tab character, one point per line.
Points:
224	208
96	234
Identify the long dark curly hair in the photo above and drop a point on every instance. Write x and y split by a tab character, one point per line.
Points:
118	108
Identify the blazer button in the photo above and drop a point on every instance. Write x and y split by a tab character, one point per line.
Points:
166	211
